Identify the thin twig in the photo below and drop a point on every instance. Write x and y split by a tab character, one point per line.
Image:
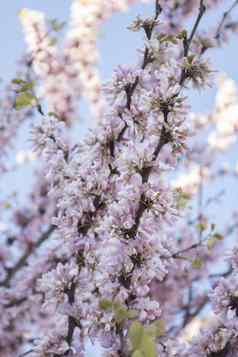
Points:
147	58
22	261
187	312
200	205
224	17
185	250
25	353
187	42
202	9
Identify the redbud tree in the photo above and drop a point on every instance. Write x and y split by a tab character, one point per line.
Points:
115	246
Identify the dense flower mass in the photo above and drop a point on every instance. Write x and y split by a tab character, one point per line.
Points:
109	248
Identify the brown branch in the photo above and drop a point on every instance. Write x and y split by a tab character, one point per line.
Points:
15	302
125	279
145	174
71	321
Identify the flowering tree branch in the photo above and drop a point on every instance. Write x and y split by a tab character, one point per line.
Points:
131	261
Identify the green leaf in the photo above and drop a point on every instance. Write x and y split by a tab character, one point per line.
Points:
137	353
182	35
7	205
53	114
197	263
201	227
191	58
182	198
56	25
148	346
160	328
105	304
172	39
18	81
26	86
132	314
168	38
24	99
218	236
53	41
211	242
120	311
156	329
136	332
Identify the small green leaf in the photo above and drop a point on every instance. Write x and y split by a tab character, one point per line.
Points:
53	41
18	81
136	332
105	304
168	38
182	198
156	329
201	227
132	314
24	99
191	58
56	25
182	35
137	353
26	86
148	346
211	242
53	114
218	236
172	39
197	263
7	205
120	311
